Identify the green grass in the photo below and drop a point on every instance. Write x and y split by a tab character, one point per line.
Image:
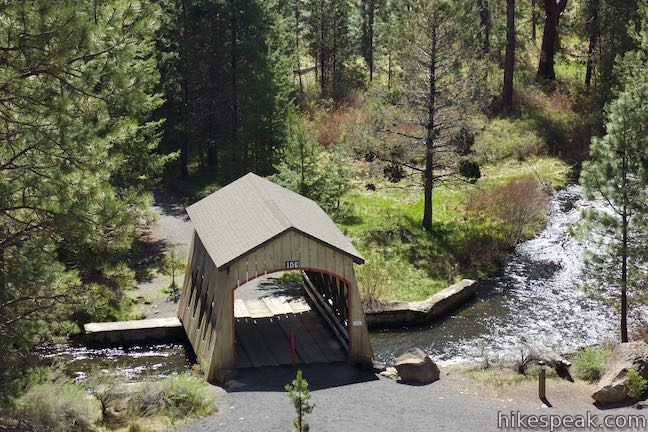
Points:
386	229
497	378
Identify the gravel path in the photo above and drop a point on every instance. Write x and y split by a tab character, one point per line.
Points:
174	229
349	400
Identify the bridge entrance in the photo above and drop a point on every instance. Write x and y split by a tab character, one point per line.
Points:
250	229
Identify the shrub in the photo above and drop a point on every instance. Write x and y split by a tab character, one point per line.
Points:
520	206
105	387
187	394
589	362
178	396
635	385
135	427
373	278
504	138
58	407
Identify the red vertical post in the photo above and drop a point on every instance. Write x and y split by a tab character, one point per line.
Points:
293	353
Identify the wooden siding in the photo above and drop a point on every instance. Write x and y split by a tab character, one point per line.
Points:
206	307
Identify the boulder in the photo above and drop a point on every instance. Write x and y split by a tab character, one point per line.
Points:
630	355
390	372
414	366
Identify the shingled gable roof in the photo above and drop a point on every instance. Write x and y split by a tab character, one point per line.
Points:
251	211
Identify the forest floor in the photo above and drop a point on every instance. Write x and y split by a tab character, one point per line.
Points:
348	399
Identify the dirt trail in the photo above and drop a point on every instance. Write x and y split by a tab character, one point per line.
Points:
173	228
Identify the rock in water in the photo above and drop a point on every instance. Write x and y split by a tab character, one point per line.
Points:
414	366
630	355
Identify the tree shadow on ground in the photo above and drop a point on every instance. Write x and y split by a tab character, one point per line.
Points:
274	287
146	256
168	205
319	376
269	286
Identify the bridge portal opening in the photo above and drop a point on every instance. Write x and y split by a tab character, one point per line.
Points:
279	320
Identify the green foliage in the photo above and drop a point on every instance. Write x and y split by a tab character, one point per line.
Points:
300	397
57	407
292	277
226	78
185	395
635	385
509	138
322	175
588	363
77	153
613	30
135	427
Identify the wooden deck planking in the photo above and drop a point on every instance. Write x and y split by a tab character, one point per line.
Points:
258	309
324	336
275	339
254	345
306	346
263	330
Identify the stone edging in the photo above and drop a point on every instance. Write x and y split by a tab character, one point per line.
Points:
401	313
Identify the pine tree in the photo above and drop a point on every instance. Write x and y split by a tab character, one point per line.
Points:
300	397
78	150
330	43
312	171
438	40
617	174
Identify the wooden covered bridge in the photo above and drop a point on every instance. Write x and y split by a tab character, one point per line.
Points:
251	228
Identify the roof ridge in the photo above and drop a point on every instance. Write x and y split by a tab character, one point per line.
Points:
274	208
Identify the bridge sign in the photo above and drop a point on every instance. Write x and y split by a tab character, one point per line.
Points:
292	264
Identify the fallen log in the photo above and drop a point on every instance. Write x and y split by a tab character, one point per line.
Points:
536	353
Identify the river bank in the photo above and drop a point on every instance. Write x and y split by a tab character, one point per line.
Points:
536	294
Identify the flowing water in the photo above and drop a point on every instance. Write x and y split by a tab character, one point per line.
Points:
536	295
134	363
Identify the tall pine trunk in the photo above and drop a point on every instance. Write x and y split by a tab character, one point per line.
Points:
370	38
534	21
553	9
299	73
322	41
234	82
485	24
593	27
509	60
431	131
624	248
184	88
368	11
